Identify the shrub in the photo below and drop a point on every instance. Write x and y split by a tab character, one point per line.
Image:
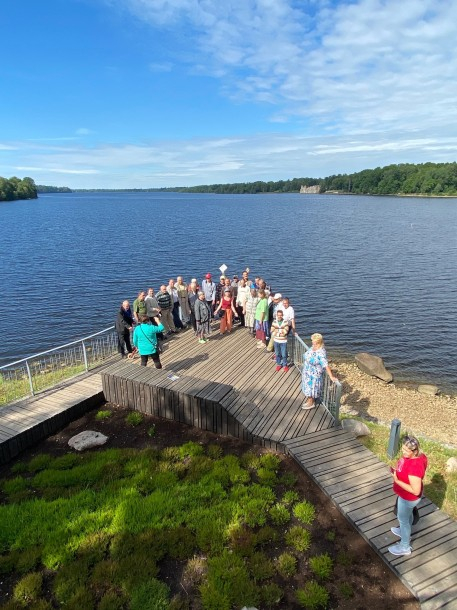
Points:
267	477
150	596
331	536
305	512
228	584
298	538
112	601
265	535
69	579
279	514
194	572
286	565
39	462
28	589
8	562
152	431
321	565
261	567
271	595
346	590
288	479
242	540
290	497
250	459
28	559
312	596
19	467
214	452
101	415
134	419
13	486
270	461
190	449
181	542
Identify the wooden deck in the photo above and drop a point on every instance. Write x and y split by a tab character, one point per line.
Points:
230	387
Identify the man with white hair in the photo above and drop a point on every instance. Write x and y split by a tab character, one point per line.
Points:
288	313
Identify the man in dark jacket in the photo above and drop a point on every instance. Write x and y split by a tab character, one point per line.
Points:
124	324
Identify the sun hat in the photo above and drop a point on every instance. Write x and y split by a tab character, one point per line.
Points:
278	295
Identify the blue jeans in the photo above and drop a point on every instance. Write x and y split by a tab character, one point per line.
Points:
405	519
281	353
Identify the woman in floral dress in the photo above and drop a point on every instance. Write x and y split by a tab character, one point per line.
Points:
314	363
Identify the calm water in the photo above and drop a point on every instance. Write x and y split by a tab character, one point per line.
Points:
372	274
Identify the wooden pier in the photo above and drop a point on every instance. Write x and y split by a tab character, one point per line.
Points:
230	387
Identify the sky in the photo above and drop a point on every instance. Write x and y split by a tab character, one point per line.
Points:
163	93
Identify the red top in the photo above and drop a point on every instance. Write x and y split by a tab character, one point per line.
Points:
410	466
226	303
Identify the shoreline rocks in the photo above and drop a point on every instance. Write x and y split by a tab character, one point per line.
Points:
373	365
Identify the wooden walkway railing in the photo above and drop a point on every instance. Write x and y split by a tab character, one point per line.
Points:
228	387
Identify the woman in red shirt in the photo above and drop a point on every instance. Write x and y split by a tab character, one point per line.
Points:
228	311
408	485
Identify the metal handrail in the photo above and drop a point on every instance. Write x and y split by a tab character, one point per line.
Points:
331	390
53	349
38	372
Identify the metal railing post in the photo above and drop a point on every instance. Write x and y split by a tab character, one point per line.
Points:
86	365
29	373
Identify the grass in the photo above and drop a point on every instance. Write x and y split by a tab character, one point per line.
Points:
439	486
92	530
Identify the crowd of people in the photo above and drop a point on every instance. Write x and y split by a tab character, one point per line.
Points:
251	303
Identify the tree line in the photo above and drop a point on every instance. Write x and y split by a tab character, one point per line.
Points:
15	188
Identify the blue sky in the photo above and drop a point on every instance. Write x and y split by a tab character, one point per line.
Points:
151	93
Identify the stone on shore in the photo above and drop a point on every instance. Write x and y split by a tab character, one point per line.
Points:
358	428
430	390
373	365
87	440
451	465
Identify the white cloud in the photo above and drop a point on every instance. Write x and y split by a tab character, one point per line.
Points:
83	131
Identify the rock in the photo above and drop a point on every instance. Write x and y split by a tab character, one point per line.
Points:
451	465
373	365
431	390
358	428
87	440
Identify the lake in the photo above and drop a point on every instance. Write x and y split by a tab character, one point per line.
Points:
374	274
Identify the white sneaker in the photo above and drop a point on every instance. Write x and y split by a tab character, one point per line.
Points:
398	549
396	531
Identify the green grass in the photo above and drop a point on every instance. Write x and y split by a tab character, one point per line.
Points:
92	530
439	486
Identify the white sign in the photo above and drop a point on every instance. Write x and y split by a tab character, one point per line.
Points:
223	268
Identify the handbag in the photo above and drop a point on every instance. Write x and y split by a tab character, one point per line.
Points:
416	515
260	334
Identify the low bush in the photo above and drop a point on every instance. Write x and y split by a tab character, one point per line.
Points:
298	538
321	565
28	589
312	596
346	590
290	497
39	462
102	415
260	567
279	514
270	594
305	512
286	565
134	418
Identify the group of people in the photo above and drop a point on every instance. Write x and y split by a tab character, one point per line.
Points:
270	318
177	305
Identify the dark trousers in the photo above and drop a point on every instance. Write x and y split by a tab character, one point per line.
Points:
175	314
240	314
155	358
124	346
193	321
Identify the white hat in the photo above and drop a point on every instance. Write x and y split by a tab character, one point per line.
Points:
278	295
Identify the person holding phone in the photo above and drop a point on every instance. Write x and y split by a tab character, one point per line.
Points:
408	477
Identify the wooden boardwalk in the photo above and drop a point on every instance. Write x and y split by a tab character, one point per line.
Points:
230	387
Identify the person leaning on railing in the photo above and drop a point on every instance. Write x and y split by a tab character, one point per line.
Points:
314	364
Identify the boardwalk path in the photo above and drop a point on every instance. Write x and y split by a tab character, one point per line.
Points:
238	392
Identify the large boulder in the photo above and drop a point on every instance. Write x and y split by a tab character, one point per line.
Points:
358	428
373	365
430	390
87	440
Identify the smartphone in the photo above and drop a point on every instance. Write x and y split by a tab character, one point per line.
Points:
392	469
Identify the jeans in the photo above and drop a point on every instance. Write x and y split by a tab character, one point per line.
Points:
405	519
281	353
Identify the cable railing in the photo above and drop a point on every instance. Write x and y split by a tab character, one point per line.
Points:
39	372
331	391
